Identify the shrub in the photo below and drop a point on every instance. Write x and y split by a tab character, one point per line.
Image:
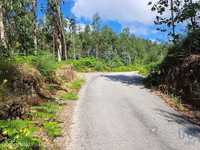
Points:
44	62
53	129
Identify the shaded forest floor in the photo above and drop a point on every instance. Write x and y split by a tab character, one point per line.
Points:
178	82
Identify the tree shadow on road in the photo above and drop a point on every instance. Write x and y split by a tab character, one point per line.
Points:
191	127
126	79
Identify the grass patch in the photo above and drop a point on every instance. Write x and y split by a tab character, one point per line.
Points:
50	108
77	84
70	96
46	116
53	129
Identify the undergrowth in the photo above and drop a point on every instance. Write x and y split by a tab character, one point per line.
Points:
44	62
70	96
91	64
76	84
22	134
18	134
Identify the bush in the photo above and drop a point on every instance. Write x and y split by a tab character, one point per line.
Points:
88	64
44	62
92	64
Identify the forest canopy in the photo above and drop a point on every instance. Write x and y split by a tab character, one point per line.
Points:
22	34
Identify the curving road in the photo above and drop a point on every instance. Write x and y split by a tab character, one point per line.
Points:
116	112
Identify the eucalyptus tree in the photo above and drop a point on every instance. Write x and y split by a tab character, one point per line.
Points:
73	30
56	22
86	41
96	33
34	12
18	25
2	30
163	7
108	40
190	11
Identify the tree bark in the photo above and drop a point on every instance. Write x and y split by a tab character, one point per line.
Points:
61	30
60	48
2	29
193	18
172	19
34	9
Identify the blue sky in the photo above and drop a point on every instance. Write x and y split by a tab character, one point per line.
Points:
117	14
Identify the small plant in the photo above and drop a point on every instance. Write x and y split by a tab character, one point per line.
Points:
51	108
76	84
69	96
45	112
45	63
177	102
20	134
53	129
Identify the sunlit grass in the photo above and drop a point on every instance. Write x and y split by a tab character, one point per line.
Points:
69	96
76	85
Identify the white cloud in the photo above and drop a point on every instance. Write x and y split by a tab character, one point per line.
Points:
124	11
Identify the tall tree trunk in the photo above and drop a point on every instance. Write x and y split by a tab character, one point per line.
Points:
58	29
2	29
61	30
172	19
57	45
34	9
193	18
59	51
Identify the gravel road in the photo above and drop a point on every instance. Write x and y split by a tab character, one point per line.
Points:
116	112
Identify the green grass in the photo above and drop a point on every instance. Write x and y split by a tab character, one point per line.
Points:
70	96
77	84
53	129
50	108
45	112
46	115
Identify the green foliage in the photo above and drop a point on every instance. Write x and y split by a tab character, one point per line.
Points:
53	129
44	62
70	96
76	84
20	134
46	114
92	64
45	111
87	64
19	25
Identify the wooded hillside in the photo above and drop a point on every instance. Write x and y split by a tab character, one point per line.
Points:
179	74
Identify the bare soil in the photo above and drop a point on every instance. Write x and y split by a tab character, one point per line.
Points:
66	117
